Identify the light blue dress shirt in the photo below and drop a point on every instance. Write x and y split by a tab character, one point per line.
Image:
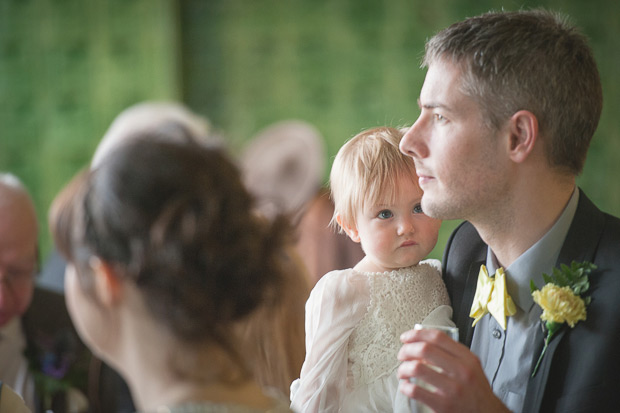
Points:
507	356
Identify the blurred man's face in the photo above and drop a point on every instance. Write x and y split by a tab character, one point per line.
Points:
18	258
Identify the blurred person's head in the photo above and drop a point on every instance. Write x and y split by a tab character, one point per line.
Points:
148	118
161	236
283	167
18	248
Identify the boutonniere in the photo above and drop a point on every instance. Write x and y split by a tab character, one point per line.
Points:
55	365
561	299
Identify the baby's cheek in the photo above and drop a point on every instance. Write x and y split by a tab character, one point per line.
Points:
384	245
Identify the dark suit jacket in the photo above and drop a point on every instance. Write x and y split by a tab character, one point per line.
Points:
580	371
48	328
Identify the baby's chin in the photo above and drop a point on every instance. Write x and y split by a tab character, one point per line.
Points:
413	259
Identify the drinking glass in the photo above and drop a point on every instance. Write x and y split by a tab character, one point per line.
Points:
453	333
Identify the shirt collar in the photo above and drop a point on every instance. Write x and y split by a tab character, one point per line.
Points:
12	332
538	259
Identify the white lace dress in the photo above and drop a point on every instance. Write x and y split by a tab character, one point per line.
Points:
353	324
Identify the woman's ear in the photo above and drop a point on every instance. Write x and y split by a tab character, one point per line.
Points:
108	286
351	231
523	135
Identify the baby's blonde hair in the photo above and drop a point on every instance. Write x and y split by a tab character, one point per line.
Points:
366	170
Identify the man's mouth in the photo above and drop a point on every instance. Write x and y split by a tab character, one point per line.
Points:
424	179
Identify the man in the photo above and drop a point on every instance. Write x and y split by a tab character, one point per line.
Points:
509	105
38	345
18	264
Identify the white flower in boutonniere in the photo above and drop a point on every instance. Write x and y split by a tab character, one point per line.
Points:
560	299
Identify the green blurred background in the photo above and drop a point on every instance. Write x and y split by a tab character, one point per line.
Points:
68	67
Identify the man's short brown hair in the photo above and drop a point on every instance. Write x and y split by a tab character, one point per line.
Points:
528	60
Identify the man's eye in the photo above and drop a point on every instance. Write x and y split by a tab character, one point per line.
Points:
19	276
417	209
439	118
385	214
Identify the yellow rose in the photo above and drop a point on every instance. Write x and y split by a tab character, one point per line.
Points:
560	305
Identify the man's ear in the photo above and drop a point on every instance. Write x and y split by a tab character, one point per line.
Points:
108	286
523	129
351	231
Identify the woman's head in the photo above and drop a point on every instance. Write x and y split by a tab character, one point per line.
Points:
173	219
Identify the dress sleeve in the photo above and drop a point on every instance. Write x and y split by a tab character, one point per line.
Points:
336	305
440	316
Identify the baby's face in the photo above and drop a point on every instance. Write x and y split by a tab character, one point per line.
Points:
397	233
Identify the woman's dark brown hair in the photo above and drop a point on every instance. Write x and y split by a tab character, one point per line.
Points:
175	219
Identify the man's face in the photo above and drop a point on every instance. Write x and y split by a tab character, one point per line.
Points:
18	259
459	160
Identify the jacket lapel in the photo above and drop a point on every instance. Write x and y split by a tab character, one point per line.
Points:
580	245
537	384
466	330
584	234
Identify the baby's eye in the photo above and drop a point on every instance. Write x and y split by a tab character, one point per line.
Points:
385	214
417	209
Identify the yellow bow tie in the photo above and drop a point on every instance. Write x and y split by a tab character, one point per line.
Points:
492	297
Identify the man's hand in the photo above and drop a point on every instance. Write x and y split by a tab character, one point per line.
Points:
460	385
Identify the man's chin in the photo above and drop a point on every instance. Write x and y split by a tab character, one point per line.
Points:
436	209
429	206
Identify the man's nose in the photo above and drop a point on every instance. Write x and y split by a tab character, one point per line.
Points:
412	143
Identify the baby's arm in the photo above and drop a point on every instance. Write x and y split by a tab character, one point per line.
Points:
337	303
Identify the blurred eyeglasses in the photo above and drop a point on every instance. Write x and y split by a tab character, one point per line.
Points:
16	278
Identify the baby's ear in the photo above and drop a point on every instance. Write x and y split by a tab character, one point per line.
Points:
350	230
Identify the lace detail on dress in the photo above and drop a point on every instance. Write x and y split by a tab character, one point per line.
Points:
398	300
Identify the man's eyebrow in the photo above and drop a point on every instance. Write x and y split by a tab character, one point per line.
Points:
432	105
